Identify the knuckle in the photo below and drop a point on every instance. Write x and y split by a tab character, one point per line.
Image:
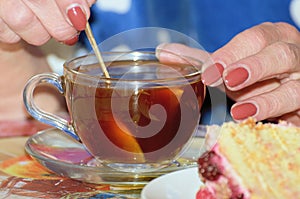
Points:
286	26
289	53
286	98
282	100
291	89
20	20
264	33
283	24
289	32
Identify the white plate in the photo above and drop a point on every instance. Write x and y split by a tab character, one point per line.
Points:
176	185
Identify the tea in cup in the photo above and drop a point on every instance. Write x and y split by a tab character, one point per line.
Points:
139	119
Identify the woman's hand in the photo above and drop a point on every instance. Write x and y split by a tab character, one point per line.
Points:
260	68
38	21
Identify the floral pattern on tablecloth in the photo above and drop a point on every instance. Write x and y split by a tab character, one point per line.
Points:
22	177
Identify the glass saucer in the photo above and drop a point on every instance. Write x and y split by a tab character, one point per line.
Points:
65	156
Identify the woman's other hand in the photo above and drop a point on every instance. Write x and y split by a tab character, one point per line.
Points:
260	68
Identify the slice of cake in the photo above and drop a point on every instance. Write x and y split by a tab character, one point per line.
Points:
249	160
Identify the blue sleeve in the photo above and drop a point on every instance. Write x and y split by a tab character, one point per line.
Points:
210	22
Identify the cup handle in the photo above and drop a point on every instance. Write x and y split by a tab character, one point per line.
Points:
36	112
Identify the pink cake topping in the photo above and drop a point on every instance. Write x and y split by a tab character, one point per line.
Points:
218	177
207	168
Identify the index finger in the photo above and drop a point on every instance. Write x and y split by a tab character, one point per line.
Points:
247	43
175	53
253	40
53	15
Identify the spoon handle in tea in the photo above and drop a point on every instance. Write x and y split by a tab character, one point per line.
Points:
94	45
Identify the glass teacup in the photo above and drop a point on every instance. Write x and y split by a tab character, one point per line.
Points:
138	120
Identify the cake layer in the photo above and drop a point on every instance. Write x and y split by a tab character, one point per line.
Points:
256	160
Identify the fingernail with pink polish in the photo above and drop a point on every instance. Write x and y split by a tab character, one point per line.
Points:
212	74
243	111
236	77
72	41
77	17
